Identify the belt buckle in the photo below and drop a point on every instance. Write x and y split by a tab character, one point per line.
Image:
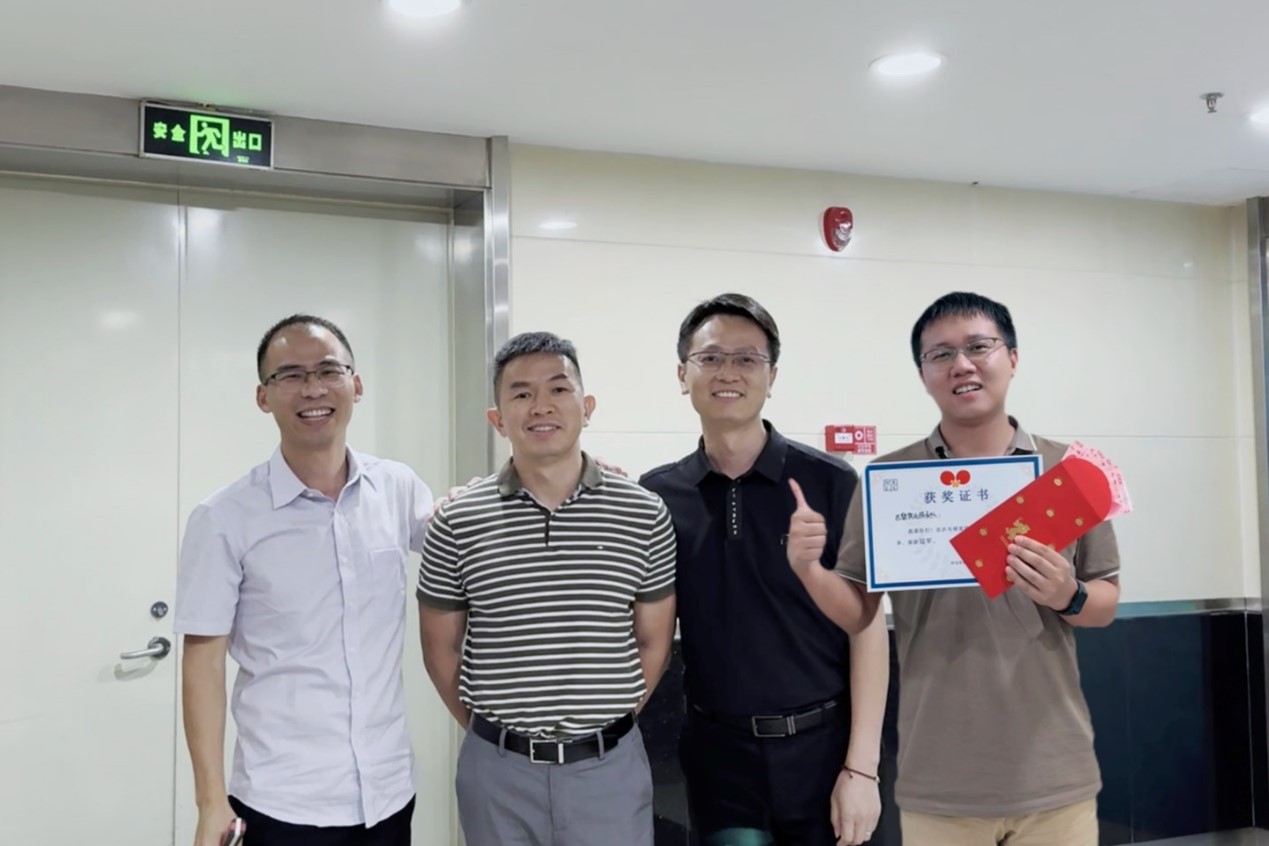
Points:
533	752
790	728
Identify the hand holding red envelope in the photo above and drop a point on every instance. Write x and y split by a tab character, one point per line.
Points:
1057	509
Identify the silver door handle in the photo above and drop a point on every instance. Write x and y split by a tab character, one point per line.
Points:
158	647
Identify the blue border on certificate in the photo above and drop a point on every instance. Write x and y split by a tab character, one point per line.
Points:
870	583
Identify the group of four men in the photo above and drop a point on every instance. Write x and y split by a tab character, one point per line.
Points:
548	596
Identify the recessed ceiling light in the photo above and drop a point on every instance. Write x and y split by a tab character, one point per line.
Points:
1261	116
907	64
557	225
423	8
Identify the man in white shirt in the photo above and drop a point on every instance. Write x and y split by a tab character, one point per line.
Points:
297	570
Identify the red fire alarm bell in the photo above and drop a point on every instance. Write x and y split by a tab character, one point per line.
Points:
839	223
860	440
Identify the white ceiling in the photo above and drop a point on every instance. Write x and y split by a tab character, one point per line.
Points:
1096	96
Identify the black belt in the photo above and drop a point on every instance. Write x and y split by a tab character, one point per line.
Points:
785	725
554	751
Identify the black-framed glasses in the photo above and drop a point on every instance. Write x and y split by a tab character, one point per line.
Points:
711	361
976	350
330	374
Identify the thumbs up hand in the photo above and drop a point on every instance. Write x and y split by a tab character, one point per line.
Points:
807	533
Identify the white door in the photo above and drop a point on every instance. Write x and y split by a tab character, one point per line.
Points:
135	318
88	511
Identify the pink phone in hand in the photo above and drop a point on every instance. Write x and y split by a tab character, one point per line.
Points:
233	834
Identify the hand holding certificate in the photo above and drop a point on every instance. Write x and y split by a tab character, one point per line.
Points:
912	510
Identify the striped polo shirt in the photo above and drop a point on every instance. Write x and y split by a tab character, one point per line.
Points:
550	648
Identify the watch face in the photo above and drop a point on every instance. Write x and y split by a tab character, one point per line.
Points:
1077	601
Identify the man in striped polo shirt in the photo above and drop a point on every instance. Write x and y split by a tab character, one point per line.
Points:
546	600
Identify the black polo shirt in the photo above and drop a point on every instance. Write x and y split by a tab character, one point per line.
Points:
753	640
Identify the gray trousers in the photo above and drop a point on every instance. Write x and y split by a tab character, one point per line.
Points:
504	799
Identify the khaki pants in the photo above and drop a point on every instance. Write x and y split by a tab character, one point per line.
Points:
1073	825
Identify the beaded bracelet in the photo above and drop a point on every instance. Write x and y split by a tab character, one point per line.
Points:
854	772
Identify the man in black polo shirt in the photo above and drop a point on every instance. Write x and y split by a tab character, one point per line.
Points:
782	738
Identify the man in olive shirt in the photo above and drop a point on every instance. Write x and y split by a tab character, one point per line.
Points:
995	740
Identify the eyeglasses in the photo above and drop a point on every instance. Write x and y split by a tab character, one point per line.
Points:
745	362
976	350
329	375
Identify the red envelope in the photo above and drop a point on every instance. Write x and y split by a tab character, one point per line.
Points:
1056	509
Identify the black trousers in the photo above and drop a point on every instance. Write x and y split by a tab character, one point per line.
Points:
264	830
751	791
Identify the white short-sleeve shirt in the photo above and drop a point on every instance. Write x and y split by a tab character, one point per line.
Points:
312	595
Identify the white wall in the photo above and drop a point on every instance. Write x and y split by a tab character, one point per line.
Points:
1132	319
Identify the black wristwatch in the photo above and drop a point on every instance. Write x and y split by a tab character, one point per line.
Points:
1077	601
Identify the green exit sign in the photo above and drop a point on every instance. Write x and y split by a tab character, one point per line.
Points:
206	136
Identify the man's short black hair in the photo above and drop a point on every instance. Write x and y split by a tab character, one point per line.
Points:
532	343
736	305
299	320
964	304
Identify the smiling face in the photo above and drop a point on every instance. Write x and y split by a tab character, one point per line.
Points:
314	415
733	394
541	408
967	391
